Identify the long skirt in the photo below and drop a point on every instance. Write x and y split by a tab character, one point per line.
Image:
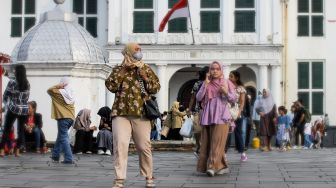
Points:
213	141
104	139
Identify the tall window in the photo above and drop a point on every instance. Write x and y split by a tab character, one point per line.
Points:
23	16
245	16
311	85
143	16
210	16
310	18
87	14
178	25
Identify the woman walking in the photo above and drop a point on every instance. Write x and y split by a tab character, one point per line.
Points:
214	95
16	98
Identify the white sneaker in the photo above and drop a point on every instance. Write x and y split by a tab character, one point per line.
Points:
311	146
108	152
210	172
79	153
223	171
100	152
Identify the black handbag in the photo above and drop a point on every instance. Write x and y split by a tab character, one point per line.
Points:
150	106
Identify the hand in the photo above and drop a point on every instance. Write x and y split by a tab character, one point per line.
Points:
60	86
143	74
207	79
188	112
93	128
224	89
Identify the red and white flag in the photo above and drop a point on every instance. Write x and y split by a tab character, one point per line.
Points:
179	10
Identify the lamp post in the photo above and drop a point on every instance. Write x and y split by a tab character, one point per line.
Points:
4	58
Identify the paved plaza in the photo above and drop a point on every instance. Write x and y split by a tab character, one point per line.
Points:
293	169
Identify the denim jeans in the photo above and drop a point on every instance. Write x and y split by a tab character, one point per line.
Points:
240	133
37	136
62	140
307	140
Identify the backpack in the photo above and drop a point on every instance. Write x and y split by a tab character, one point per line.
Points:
307	115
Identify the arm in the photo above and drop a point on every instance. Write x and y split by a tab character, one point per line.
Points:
38	120
178	113
152	82
7	93
114	81
201	93
241	101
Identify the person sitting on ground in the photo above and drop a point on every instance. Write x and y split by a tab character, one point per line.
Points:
104	137
33	126
84	132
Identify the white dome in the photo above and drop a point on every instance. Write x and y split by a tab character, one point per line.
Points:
57	38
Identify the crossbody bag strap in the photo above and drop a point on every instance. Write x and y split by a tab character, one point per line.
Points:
142	85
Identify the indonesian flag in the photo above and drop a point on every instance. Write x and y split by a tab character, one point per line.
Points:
179	10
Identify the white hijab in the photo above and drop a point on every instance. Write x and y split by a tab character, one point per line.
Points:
266	103
67	91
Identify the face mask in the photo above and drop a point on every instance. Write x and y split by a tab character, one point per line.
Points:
137	56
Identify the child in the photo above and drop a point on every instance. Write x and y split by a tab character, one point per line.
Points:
307	136
283	128
318	132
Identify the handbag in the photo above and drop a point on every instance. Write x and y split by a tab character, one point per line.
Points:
165	130
186	129
150	106
234	110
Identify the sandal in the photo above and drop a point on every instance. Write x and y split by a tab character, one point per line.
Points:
2	153
150	182
119	183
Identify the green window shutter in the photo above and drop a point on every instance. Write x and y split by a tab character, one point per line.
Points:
81	21
171	3
317	75
178	25
16	27
317	106
143	22
143	4
303	75
91	6
317	6
91	26
16	6
244	21
305	98
317	25
303	25
30	7
303	5
210	21
78	6
210	4
244	3
29	22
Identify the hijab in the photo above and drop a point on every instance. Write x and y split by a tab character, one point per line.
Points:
266	103
83	119
175	106
128	52
67	91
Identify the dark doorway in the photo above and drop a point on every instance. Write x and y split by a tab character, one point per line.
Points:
184	93
250	90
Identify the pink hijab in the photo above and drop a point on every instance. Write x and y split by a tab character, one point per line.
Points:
213	89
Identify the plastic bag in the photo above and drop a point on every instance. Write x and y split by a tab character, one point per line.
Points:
186	129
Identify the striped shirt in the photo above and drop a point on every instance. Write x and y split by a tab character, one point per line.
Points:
16	101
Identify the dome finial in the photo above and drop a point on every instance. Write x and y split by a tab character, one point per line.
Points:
58	2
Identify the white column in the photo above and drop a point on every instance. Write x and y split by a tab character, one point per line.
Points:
276	85
162	96
265	23
226	71
263	77
109	96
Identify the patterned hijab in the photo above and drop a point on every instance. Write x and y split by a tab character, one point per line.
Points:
128	52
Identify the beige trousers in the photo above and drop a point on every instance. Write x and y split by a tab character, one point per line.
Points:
123	128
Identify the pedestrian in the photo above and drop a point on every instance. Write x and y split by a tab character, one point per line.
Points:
302	116
255	115
292	137
318	133
243	114
266	108
195	107
283	124
214	95
16	98
105	137
177	121
84	132
128	112
63	111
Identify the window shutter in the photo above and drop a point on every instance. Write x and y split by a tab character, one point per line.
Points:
210	4
91	26
178	25
317	6
303	75
305	98
317	75
171	3
16	27
30	7
317	25
81	21
143	22
91	6
143	4
16	6
244	3
303	25
303	5
78	6
317	106
210	21
29	22
244	21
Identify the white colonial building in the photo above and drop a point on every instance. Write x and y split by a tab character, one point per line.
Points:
266	40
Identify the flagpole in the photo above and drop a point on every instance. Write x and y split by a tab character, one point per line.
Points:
192	31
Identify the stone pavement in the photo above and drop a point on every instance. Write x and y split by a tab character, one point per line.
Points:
293	169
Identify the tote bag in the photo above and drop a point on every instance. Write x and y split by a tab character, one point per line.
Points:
186	129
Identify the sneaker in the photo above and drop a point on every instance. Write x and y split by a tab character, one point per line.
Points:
150	182
223	171
311	146
196	154
210	172
79	153
118	184
243	157
68	162
101	152
108	152
88	152
54	159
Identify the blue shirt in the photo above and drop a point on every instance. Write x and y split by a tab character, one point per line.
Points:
285	119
